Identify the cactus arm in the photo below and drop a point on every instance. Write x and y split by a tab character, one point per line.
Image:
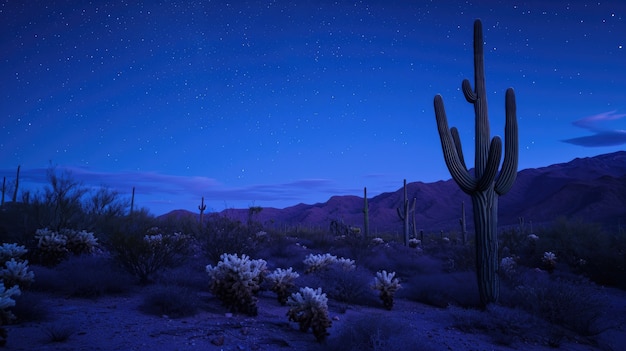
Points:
511	146
469	94
493	162
454	162
400	213
456	138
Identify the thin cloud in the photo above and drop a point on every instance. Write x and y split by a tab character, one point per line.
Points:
602	136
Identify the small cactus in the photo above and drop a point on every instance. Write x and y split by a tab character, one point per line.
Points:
387	285
236	281
17	273
309	308
281	281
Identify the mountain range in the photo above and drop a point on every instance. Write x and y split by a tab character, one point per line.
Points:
591	189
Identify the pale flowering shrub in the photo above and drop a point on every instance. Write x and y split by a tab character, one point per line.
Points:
9	251
387	285
236	280
281	282
17	273
318	262
309	308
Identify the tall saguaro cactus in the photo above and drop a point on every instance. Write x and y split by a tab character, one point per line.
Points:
486	184
404	212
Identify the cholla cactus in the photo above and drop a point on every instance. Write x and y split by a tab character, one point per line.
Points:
17	273
346	264
533	237
387	285
507	266
413	242
549	260
309	308
378	241
6	301
318	262
9	251
281	281
51	245
236	281
80	242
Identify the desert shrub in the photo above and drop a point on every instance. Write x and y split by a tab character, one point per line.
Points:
309	308
575	305
345	286
504	325
190	274
91	276
171	301
236	280
375	333
442	289
387	285
222	234
58	333
403	260
144	254
585	248
281	283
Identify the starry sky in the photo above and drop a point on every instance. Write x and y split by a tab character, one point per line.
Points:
275	103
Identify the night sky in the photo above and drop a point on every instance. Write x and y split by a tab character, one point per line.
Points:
274	103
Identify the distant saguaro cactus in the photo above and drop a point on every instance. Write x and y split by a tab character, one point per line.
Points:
403	213
366	215
486	184
202	207
17	183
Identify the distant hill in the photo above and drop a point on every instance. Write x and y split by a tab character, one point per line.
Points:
592	189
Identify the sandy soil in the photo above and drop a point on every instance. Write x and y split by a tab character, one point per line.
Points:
116	323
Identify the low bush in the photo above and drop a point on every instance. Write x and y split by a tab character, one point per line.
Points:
504	325
145	254
171	301
92	276
573	304
375	333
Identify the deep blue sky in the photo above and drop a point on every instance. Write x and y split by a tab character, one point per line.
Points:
273	103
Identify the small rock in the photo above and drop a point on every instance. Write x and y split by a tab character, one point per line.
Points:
218	341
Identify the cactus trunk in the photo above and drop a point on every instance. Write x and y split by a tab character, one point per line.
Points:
485	206
17	183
